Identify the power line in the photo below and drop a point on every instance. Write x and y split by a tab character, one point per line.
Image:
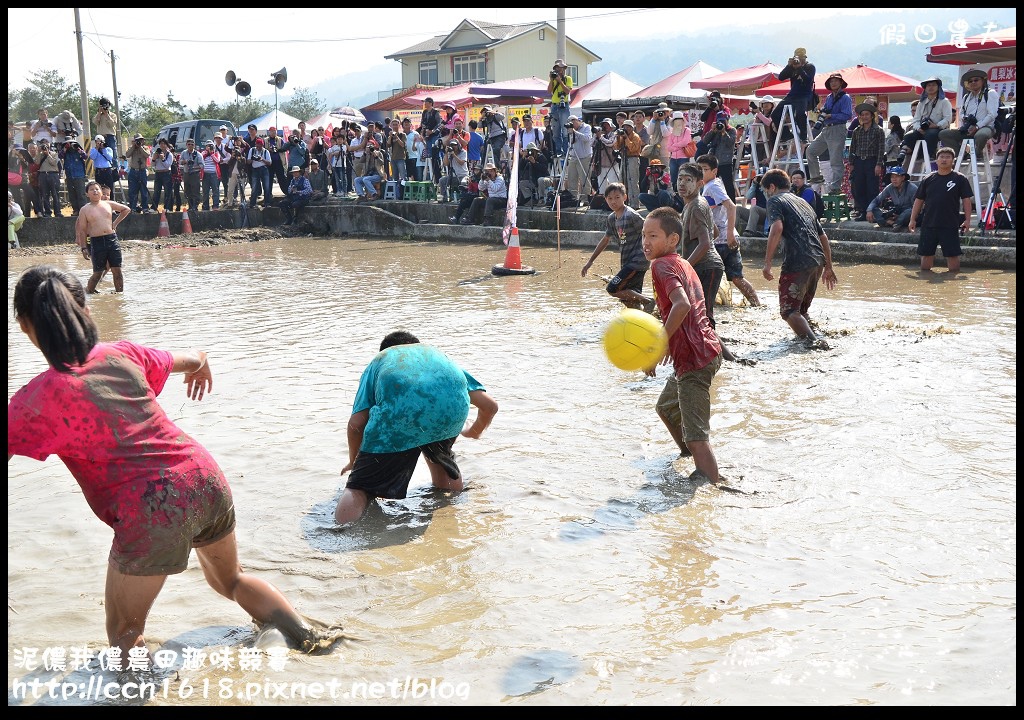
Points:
306	40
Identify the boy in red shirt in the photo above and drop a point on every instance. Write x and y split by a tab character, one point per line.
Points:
685	403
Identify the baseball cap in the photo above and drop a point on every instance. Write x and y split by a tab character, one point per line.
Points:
210	143
100	138
515	119
259	142
573	117
722	117
896	170
138	136
768	99
678	115
314	161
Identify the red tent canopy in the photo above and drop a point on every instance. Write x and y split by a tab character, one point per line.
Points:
863	80
994	47
742	81
528	87
459	95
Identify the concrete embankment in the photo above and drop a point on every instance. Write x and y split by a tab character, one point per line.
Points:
851	241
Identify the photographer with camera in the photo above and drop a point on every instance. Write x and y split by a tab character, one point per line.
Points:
43	128
73	158
211	175
494	189
138	180
105	122
934	114
259	173
102	158
629	144
721	142
190	163
429	129
162	160
454	167
238	173
800	97
830	134
560	87
606	158
708	118
979	107
658	130
533	166
492	124
49	179
577	163
469	191
298	153
659	186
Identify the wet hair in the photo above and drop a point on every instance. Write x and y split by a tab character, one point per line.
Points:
668	219
693	170
776	178
53	303
398	337
710	160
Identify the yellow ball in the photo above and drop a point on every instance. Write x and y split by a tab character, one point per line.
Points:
635	340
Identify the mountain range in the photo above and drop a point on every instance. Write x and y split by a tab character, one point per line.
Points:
844	41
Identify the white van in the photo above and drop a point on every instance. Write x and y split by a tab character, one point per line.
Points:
198	130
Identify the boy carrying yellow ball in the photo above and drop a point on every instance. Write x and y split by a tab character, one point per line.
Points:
685	403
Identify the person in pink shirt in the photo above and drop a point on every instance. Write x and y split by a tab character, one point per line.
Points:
678	145
161	491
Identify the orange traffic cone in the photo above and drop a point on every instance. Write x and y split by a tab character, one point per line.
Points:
186	224
513	264
164	230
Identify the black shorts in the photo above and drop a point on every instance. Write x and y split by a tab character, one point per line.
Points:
947	237
732	260
627	279
104	249
387	475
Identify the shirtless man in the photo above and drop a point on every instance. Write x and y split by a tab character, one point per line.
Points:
96	222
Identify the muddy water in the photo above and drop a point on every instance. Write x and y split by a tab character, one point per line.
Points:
862	551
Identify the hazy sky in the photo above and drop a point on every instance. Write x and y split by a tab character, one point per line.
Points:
157	52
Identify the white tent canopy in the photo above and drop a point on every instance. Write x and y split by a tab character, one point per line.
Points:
276	118
607	87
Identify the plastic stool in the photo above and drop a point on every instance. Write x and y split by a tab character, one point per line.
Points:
837	207
391	190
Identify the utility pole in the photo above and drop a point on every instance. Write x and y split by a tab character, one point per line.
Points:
117	107
86	126
560	35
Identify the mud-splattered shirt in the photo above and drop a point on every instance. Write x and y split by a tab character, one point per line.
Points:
102	419
415	396
694	344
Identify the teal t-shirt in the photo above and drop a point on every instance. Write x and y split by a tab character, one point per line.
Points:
415	396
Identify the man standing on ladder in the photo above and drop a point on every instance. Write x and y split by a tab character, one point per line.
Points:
559	85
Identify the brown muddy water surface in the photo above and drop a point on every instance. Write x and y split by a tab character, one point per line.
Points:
862	549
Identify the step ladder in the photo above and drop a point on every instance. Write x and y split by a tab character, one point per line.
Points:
920	150
754	137
794	154
972	173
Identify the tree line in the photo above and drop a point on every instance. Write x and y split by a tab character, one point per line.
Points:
146	115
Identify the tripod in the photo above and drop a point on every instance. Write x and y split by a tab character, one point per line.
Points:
997	190
562	173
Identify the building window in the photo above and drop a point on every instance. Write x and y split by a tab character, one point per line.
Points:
573	71
428	72
469	68
541	34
